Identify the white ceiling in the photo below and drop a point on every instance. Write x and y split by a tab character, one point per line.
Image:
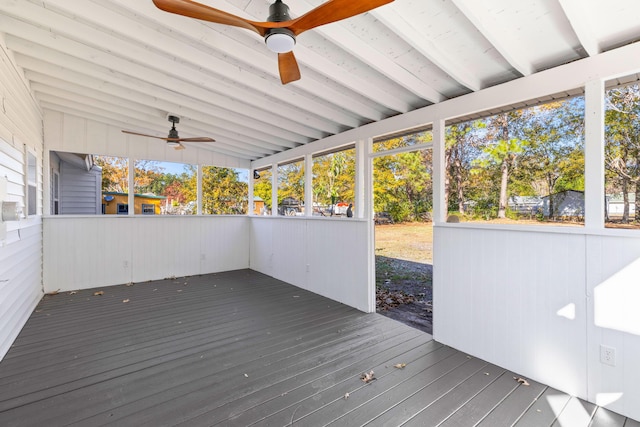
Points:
129	64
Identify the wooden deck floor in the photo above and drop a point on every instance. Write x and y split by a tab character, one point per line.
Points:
241	349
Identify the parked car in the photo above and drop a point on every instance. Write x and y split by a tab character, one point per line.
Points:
382	218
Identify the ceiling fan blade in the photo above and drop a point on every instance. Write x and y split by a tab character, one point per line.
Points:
197	139
332	11
203	12
288	66
143	134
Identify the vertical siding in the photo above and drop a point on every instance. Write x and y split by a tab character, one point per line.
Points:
86	252
80	191
328	257
21	250
613	290
508	296
499	296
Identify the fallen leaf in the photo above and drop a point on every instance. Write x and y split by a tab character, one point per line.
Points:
400	365
346	396
179	290
246	375
155	289
125	300
95	294
486	373
130	284
53	292
73	293
521	381
368	377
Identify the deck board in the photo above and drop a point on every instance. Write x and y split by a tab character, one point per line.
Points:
240	348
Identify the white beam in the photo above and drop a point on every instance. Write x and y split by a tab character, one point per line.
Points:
439	172
259	58
149	124
486	24
82	84
376	60
574	10
611	64
182	79
87	96
405	30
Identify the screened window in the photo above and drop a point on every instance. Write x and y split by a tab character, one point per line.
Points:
262	191
291	189
172	185
525	165
333	183
622	156
122	209
224	191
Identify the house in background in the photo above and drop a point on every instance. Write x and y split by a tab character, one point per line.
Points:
118	203
615	205
76	184
564	204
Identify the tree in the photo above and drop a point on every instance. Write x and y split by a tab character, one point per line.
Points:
222	191
622	143
262	187
115	173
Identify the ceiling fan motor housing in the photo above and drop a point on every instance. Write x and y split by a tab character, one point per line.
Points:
279	40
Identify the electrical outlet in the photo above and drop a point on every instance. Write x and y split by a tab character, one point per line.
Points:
608	355
308	268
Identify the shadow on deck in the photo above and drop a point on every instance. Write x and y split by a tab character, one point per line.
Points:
240	348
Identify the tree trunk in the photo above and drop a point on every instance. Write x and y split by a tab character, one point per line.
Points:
447	181
459	184
625	198
504	180
504	172
635	204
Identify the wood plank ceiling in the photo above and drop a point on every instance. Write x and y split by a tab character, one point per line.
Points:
129	64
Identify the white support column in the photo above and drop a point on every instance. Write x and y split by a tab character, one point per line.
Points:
439	209
594	203
274	189
131	199
250	201
364	179
199	190
308	185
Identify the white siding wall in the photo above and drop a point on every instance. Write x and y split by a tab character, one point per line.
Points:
541	303
84	252
326	256
20	249
80	190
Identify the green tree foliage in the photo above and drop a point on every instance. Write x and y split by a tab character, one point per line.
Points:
536	151
403	182
334	178
115	173
262	187
622	145
291	181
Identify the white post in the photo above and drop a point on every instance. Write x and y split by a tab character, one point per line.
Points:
362	157
594	203
131	199
439	209
274	189
199	191
250	200
308	185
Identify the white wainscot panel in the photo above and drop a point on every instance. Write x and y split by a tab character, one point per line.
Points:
87	252
613	267
328	257
516	299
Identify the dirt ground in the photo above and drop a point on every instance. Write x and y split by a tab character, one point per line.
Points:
404	273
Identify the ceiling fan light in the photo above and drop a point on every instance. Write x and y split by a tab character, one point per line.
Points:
280	41
173	143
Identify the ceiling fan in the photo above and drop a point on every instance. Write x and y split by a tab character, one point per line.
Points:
174	140
279	31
